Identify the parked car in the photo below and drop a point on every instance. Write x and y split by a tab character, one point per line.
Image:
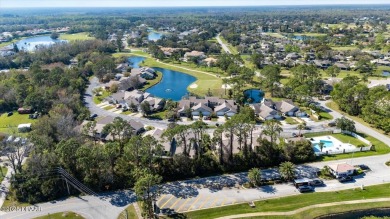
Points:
332	124
316	182
303	189
307	128
118	106
10	113
207	118
363	167
10	138
345	179
294	135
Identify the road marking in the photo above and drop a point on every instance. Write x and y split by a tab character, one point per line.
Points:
178	199
196	200
204	202
161	198
212	204
183	204
162	206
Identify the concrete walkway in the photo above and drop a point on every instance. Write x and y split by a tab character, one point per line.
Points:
305	208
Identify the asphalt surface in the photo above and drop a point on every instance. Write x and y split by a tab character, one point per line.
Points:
224	47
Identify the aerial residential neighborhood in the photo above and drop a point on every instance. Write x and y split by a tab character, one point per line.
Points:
194	109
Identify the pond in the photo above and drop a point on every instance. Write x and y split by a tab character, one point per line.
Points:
154	36
173	84
386	73
255	94
134	61
30	44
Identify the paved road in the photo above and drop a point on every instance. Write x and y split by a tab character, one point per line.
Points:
224	47
359	127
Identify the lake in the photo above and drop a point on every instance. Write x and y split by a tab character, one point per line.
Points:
29	44
154	36
173	84
135	61
255	94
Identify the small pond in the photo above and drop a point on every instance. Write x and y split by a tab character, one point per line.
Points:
30	44
386	73
255	95
154	36
173	84
134	61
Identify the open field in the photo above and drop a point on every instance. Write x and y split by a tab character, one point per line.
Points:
290	203
76	36
68	215
9	124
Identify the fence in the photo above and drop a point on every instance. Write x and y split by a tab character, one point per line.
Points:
345	151
357	136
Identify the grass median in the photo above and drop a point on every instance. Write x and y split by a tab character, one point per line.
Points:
290	203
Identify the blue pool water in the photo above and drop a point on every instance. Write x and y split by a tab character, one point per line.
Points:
173	84
135	61
30	44
255	94
327	145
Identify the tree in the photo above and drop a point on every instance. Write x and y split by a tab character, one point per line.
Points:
321	144
271	77
272	128
254	176
146	191
345	124
333	71
300	127
145	108
287	170
120	131
54	35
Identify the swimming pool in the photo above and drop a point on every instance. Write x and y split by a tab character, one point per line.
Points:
327	145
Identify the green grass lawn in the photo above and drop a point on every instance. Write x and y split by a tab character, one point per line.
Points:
68	215
190	65
10	202
109	107
10	124
332	105
290	203
310	34
321	211
343	48
348	139
4	172
290	121
130	212
325	116
99	99
204	81
76	36
151	83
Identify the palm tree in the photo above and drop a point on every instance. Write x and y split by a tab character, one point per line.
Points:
272	128
225	81
321	144
287	170
301	127
254	176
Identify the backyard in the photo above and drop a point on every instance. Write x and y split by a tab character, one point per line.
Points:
9	124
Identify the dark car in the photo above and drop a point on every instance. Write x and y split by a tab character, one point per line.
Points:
10	113
316	182
307	128
303	189
93	116
345	179
363	167
294	135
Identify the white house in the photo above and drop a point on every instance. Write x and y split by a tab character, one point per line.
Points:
341	169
